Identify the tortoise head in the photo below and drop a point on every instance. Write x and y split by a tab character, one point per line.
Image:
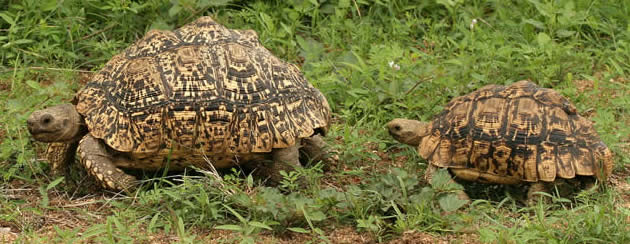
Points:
61	123
408	131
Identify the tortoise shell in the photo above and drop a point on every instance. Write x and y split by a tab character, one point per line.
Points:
202	87
516	133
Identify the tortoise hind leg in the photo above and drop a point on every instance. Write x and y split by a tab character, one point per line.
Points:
589	184
98	163
315	149
532	193
286	159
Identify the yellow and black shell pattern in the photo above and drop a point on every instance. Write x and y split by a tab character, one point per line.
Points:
520	132
201	87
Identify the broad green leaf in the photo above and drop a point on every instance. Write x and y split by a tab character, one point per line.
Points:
544	9
49	5
425	195
33	85
312	50
95	230
344	3
54	183
562	33
240	218
212	3
119	225
370	223
478	76
174	10
299	230
160	25
250	181
543	39
451	202
181	231
44	202
618	68
259	225
7	18
229	227
455	62
267	21
535	23
154	219
441	180
317	216
17	42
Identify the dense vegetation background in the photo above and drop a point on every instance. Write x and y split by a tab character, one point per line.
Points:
375	60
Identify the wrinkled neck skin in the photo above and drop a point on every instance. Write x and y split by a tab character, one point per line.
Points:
408	131
60	123
78	134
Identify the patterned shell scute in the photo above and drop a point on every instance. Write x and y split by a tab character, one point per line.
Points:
203	87
520	131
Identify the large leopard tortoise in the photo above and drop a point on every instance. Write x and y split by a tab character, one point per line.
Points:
201	93
508	135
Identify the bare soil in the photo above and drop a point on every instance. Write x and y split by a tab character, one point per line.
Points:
414	237
4	86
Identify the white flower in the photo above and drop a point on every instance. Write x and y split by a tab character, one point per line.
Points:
394	65
473	22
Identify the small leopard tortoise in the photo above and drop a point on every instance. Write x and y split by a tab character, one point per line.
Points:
201	93
508	135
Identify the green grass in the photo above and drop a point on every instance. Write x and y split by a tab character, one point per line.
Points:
344	47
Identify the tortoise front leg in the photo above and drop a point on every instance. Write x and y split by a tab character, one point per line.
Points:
429	172
60	155
98	163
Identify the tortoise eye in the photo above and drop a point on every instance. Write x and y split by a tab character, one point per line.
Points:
47	119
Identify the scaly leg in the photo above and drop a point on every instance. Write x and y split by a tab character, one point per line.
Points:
60	155
315	149
589	184
98	163
286	159
532	197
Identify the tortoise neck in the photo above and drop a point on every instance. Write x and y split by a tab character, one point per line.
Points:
77	128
